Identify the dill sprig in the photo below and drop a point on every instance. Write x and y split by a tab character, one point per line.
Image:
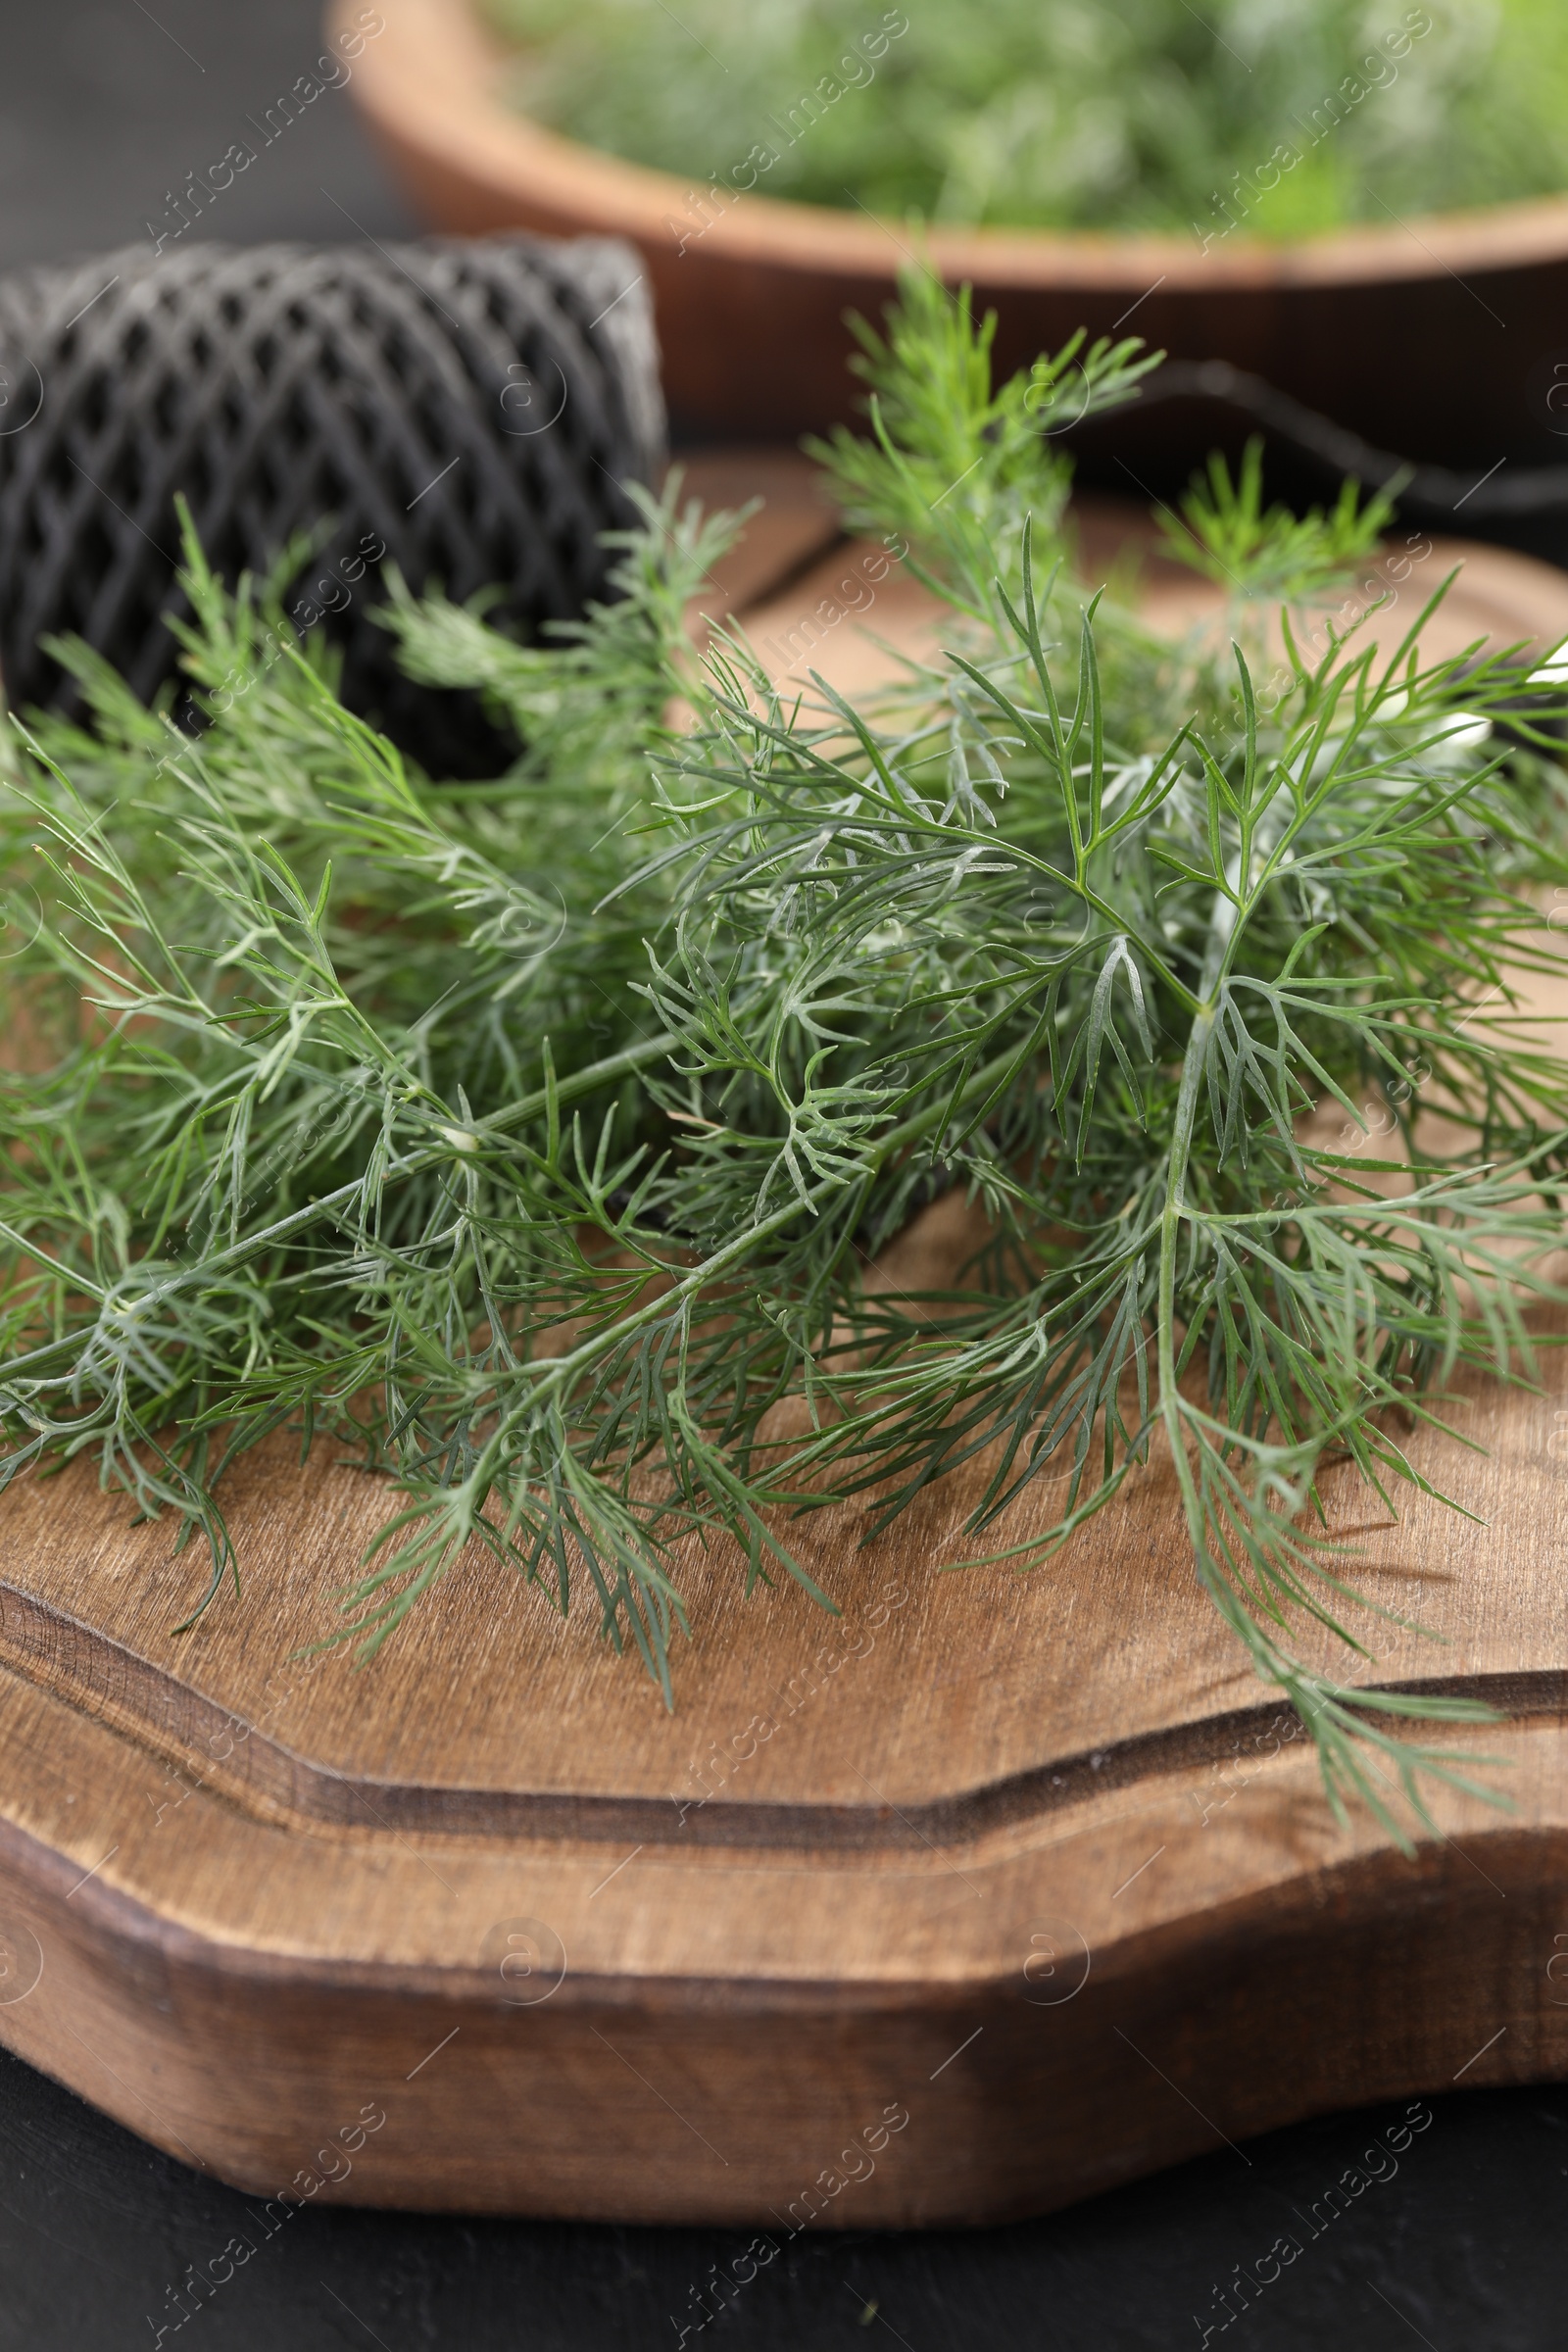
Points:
539	1136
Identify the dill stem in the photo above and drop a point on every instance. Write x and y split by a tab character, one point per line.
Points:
1170	1222
1223	928
579	1082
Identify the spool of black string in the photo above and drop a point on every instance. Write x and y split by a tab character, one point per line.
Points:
469	411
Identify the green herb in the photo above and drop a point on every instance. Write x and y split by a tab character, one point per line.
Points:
539	1136
1250	114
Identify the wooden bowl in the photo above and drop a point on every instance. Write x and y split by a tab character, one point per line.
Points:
1435	338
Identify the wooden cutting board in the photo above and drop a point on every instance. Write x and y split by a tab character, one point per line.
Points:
979	1897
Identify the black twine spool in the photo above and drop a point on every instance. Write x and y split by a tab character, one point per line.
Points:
472	408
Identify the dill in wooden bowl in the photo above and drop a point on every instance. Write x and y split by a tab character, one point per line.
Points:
1291	116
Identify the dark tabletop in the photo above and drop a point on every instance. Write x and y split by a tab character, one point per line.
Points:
105	106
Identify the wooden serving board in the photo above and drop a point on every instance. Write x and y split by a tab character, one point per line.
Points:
984	1895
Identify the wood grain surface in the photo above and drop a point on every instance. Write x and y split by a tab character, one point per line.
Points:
978	1897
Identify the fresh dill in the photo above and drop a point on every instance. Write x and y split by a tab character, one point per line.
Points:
1273	118
538	1135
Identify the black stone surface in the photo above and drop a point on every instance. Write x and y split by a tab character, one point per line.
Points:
1457	2242
105	106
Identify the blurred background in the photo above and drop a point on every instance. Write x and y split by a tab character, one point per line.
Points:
105	106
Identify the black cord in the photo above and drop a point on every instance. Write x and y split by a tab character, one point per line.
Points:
1520	506
466	411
